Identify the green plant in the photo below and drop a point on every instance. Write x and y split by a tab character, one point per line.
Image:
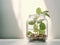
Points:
34	23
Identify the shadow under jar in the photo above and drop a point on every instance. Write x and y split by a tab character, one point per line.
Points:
37	28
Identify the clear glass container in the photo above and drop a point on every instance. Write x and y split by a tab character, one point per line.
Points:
37	28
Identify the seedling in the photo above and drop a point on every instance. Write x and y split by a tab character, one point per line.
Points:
39	33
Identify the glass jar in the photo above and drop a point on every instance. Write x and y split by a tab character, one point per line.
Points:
37	28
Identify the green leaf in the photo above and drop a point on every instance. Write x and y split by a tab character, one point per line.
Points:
46	11
28	33
42	26
35	27
32	22
38	11
47	14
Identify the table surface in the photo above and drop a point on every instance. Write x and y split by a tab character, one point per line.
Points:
25	42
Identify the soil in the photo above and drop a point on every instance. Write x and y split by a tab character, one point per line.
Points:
35	37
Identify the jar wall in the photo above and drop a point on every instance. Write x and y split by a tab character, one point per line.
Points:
37	28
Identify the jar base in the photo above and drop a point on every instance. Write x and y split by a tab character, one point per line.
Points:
41	38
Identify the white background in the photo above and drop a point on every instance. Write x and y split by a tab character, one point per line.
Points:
15	12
